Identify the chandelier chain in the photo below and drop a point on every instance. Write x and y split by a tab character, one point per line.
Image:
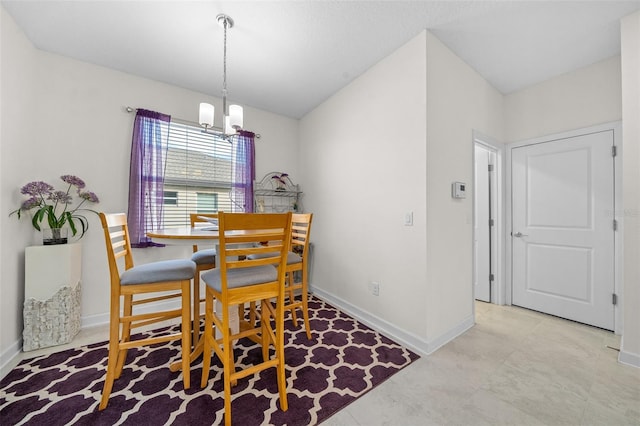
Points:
224	69
225	57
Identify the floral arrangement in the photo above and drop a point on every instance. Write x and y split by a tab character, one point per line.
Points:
56	205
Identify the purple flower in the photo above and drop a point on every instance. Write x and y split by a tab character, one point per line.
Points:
60	197
73	180
30	203
89	196
55	207
36	188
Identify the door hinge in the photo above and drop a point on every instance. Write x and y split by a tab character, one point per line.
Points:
614	151
614	299
615	225
490	167
491	222
491	277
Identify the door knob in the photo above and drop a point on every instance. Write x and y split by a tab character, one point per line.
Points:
520	234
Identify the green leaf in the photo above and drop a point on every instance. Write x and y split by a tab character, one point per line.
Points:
85	224
68	217
51	217
34	221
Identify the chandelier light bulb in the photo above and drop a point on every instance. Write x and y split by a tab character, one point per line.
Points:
228	129
206	115
235	116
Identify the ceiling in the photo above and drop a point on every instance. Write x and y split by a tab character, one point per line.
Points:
289	56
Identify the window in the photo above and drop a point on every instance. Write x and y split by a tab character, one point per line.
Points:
207	202
198	174
170	198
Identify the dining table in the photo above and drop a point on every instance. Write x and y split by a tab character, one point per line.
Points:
185	235
188	236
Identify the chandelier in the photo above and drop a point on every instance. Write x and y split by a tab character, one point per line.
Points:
231	118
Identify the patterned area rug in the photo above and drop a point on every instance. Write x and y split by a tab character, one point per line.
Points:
342	361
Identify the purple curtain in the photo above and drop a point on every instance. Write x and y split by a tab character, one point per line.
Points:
245	171
146	175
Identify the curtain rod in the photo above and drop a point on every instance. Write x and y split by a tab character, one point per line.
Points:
182	120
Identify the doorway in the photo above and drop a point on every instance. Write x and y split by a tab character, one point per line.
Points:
487	214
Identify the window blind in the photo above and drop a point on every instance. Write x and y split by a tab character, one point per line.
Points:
198	174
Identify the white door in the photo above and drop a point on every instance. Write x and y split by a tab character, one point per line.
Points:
562	228
484	246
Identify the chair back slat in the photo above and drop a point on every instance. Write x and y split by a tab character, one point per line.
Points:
116	232
300	228
242	234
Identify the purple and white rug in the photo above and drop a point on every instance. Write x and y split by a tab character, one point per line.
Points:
342	361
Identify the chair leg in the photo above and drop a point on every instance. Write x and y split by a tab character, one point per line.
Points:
196	308
228	364
305	302
186	334
208	336
264	330
291	296
112	360
252	314
126	333
279	345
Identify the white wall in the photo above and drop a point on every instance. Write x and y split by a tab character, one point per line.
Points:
389	143
362	157
68	117
17	97
630	32
459	101
583	98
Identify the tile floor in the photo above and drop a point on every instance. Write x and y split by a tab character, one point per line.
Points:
515	367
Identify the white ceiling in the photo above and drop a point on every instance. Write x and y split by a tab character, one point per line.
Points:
289	56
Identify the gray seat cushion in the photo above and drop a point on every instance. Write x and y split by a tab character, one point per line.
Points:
158	272
291	257
241	277
202	257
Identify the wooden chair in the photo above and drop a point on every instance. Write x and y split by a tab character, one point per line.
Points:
236	282
129	282
297	261
204	259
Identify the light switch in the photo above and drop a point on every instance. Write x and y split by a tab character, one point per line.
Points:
408	219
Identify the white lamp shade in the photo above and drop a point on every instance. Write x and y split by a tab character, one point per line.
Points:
235	116
206	114
228	129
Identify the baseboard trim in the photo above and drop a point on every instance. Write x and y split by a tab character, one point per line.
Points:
408	339
628	358
8	358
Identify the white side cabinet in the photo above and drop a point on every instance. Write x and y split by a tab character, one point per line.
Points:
52	295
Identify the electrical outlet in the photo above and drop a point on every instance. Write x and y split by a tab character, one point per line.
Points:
374	287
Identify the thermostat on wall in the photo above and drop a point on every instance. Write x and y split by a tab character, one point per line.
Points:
458	190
